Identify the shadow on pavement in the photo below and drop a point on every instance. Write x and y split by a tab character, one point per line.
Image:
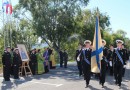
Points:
6	85
68	74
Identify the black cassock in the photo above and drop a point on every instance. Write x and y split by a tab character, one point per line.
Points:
85	65
16	63
118	66
6	60
79	64
33	63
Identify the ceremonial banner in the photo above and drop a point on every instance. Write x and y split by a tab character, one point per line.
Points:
97	50
23	52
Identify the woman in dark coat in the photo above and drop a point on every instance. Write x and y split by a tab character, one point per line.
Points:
16	63
33	62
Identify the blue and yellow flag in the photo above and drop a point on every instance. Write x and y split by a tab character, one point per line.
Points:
97	49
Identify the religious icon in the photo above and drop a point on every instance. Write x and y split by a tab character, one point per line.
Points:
23	53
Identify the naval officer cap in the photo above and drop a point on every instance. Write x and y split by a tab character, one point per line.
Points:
8	47
15	49
104	41
119	41
87	41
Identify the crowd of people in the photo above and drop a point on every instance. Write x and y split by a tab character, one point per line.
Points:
40	62
63	58
113	61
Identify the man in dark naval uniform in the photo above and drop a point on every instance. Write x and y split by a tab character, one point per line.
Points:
104	63
6	60
16	63
65	58
33	62
78	59
86	61
61	58
110	59
119	61
127	58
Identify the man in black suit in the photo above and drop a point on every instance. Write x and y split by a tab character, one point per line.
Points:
6	60
86	61
104	63
61	58
33	61
110	59
119	62
65	58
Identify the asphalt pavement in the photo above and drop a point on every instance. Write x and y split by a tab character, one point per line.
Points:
63	79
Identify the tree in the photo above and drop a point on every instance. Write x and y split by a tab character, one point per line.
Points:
86	23
121	33
23	34
53	20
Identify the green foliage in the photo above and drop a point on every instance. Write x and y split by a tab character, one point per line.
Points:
86	23
62	24
53	20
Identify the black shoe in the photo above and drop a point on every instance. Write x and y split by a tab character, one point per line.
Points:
80	75
116	82
119	85
7	79
102	85
86	85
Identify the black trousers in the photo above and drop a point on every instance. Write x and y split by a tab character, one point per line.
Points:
65	63
50	65
61	62
111	70
123	72
118	69
103	72
6	72
86	71
79	64
11	71
16	71
33	68
46	69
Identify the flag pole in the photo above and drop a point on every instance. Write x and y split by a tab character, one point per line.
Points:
4	31
11	25
3	24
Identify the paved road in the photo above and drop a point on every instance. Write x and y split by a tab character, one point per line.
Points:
63	79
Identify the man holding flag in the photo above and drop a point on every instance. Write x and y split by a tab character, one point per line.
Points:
104	63
97	59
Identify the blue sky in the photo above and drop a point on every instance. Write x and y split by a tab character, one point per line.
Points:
118	10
